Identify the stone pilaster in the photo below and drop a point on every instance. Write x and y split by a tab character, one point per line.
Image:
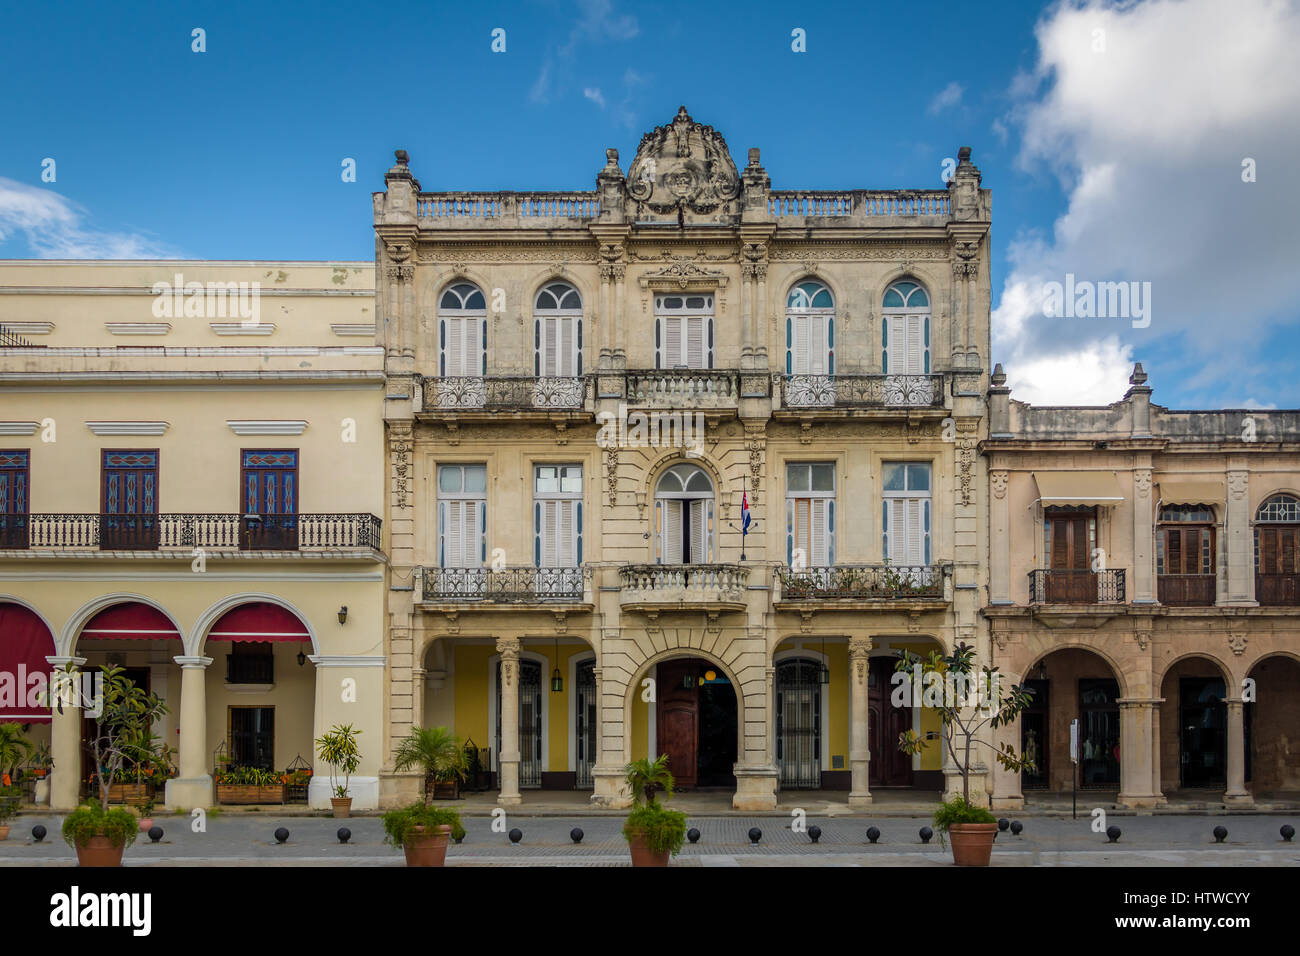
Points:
193	788
1236	794
1241	537
508	760
859	755
65	733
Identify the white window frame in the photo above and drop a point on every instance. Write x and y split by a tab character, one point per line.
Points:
680	506
470	322
550	323
550	506
912	339
447	502
824	499
809	331
915	506
672	312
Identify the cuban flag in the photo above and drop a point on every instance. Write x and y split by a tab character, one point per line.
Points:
744	514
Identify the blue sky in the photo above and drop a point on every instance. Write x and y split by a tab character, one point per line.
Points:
235	152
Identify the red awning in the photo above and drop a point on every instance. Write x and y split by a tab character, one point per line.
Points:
259	621
25	642
130	622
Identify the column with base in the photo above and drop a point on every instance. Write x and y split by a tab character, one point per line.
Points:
1236	794
1007	794
65	735
508	759
1138	752
859	755
609	785
193	788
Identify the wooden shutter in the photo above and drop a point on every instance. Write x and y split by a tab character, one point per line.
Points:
557	347
1277	550
670	534
816	357
455	347
672	328
799	344
897	329
462	533
819	553
695	356
897	533
700	531
915	532
915	344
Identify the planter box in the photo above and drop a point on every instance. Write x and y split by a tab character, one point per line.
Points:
448	790
129	793
237	793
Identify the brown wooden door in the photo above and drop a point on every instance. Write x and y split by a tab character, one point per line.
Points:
1071	580
129	500
889	766
677	729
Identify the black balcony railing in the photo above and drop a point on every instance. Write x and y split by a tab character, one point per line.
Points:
160	531
882	582
1069	586
1187	590
850	391
506	585
508	391
250	668
1277	590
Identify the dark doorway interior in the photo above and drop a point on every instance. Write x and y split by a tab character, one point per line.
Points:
889	766
1203	737
1099	733
1034	736
696	723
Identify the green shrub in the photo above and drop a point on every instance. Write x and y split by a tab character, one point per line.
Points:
659	828
10	798
399	823
959	811
91	820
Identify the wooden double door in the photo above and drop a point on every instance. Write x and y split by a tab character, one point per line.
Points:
696	723
889	766
1071	579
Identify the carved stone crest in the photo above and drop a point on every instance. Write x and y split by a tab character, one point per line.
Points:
998	480
683	167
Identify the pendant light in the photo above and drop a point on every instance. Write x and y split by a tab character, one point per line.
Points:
824	672
557	681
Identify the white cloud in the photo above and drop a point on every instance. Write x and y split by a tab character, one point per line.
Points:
596	23
594	94
950	95
1147	138
54	227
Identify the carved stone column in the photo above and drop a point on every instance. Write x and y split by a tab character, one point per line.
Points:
1236	794
1138	750
859	755
508	759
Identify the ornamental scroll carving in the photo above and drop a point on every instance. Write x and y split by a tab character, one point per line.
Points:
998	481
683	168
400	451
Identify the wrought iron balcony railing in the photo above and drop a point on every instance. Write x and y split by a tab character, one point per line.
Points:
505	391
855	391
507	585
1069	586
153	532
870	582
1187	590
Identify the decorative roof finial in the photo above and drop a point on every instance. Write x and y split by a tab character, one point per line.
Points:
1138	377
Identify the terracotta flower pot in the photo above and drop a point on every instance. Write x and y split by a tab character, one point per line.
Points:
342	807
146	824
972	843
4	831
99	851
427	849
642	855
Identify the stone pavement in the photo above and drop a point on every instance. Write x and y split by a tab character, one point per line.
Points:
247	839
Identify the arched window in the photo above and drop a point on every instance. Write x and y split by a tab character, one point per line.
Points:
684	516
557	332
810	330
462	332
1277	551
905	330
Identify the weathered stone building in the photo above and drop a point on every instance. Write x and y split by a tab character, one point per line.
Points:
1143	578
586	390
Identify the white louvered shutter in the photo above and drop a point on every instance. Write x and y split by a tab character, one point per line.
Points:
700	531
671	532
897	534
464	348
915	344
819	552
558	347
695	342
566	549
672	341
915	549
800	364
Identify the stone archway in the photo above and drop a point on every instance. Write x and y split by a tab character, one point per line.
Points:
1272	726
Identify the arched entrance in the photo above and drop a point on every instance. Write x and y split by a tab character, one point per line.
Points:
1068	685
531	739
696	723
25	642
1272	726
799	723
1194	726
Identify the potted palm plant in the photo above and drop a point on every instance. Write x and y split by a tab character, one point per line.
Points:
422	832
10	798
437	752
338	748
653	832
99	834
967	701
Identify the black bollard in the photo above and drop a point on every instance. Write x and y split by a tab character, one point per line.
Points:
1017	827
1220	833
925	834
576	834
814	833
515	836
693	835
1003	824
1113	833
873	834
755	834
344	834
281	835
38	833
1287	832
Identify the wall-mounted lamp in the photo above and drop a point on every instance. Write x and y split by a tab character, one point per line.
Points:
557	681
343	614
302	658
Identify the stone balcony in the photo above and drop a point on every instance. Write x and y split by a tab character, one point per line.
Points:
520	588
833	393
654	588
471	397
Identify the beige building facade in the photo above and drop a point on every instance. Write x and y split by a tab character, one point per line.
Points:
191	485
590	393
1142	579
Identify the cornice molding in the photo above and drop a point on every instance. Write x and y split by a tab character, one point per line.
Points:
268	426
128	428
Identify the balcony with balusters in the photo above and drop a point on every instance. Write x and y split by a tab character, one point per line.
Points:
477	398
864	587
218	535
802	396
495	589
655	588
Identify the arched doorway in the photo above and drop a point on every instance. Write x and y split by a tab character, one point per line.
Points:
1194	726
697	723
1068	685
25	642
799	723
531	712
1272	726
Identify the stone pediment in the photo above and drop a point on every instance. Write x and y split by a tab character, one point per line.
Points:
684	172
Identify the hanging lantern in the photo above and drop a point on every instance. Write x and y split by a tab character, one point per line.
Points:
557	680
824	672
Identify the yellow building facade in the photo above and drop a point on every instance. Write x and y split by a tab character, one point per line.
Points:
591	395
193	484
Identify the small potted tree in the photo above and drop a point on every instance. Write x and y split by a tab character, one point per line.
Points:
10	798
99	834
967	701
422	832
338	748
653	832
144	806
437	752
